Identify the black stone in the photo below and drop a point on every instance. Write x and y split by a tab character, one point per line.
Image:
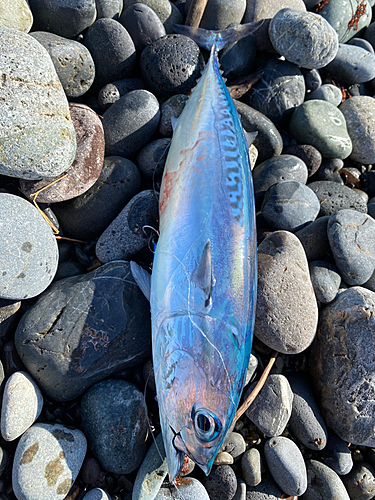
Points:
142	24
308	154
334	196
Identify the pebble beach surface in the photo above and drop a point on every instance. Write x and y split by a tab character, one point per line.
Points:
88	92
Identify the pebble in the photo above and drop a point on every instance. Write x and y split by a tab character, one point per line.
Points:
266	490
189	489
241	490
323	482
151	159
223	458
287	312
28	252
342	365
218	14
142	24
352	65
72	60
16	15
171	65
114	420
67	18
279	91
360	42
351	236
256	10
359	113
87	164
109	8
325	279
86	216
330	171
337	456
290	205
306	422
36	142
360	482
322	125
21	405
308	154
326	92
268	141
130	123
97	494
112	92
9	315
286	465
234	444
334	197
221	484
251	464
172	107
271	409
90	471
166	11
303	38
47	460
313	80
98	343
237	59
125	236
112	50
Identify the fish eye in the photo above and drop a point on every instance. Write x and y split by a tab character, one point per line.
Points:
206	425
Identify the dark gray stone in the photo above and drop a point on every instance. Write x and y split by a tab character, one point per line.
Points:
326	92
108	8
323	482
360	482
303	38
189	489
266	490
360	42
351	236
290	205
313	80
142	24
342	365
112	50
151	159
251	464
306	422
237	59
286	465
219	14
334	196
87	216
221	484
279	91
171	65
325	279
268	141
234	444
130	123
9	315
172	107
112	92
97	494
337	456
114	420
352	65
72	60
330	171
28	249
67	18
307	153
257	10
83	329
166	11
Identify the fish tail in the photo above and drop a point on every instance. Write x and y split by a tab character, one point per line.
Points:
210	38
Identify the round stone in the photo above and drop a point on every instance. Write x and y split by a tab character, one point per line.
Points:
16	15
151	159
237	59
266	490
322	125
303	38
234	444
171	65
172	107
360	482
334	196
308	154
189	489
287	312
112	92
323	482
219	14
313	79
109	8
352	65
359	113
251	464
342	365
257	10
97	494
326	92
325	279
337	456
37	138
314	239
221	483
166	11
28	249
142	24
72	60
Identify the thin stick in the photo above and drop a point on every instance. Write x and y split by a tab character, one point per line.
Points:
254	393
195	14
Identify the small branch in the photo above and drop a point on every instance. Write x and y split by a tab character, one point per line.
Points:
195	14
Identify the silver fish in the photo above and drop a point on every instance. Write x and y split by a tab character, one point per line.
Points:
203	283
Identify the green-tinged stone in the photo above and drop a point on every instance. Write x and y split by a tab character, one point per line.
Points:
16	14
322	125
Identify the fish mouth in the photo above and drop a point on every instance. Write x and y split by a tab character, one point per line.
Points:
181	450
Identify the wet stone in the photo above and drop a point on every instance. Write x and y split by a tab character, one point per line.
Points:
171	65
342	365
126	235
87	164
130	123
112	92
218	14
99	343
306	422
256	10
28	252
47	461
334	196
172	107
352	65
166	11
221	483
303	38
108	8
16	15
142	24
86	216
351	236
287	313
325	279
322	125
308	154
21	405
360	482
114	420
189	489
251	464
337	456
326	92
151	159
67	18
272	407
323	482
36	142
73	62
286	464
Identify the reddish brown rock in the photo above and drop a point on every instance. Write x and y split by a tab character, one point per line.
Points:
87	164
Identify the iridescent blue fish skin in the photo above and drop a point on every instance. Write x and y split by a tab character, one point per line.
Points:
203	284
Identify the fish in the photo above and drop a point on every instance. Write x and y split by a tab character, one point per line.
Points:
204	273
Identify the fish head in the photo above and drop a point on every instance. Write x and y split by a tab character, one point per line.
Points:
195	395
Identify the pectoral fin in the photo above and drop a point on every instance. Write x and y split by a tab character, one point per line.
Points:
203	275
142	278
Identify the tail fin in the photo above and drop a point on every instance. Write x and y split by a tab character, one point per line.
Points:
207	38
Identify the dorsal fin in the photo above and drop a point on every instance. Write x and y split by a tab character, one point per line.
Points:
203	275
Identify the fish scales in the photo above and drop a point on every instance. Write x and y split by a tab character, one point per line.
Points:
203	283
